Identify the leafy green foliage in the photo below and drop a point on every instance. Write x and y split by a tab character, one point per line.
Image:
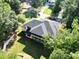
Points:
75	55
21	18
8	21
47	10
75	24
57	7
5	55
59	54
30	14
13	1
37	3
71	8
2	54
64	39
67	40
14	4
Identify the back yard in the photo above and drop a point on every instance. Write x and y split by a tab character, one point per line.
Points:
27	47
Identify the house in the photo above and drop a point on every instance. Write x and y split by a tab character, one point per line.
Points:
36	29
25	7
50	2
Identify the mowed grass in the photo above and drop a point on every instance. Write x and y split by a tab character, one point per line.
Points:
30	47
47	10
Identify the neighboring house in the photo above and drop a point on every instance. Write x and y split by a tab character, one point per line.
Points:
35	29
50	2
25	7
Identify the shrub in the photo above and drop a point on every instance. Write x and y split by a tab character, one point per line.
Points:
48	11
8	21
59	54
75	55
21	18
67	39
30	14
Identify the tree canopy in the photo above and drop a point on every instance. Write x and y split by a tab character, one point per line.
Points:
59	54
14	4
66	41
8	20
37	3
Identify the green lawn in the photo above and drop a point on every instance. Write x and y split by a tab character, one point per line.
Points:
30	47
48	11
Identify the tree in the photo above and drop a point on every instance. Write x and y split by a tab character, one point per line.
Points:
36	3
75	55
8	22
59	54
71	10
66	39
14	4
57	7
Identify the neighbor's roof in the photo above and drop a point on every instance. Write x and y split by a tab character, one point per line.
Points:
25	5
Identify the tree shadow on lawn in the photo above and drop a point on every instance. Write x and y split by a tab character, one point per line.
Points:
33	48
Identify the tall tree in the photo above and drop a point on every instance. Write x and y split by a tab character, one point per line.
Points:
37	3
8	21
66	41
59	54
14	4
57	7
71	10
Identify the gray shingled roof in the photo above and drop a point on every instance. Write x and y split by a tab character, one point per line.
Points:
45	28
31	24
40	28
